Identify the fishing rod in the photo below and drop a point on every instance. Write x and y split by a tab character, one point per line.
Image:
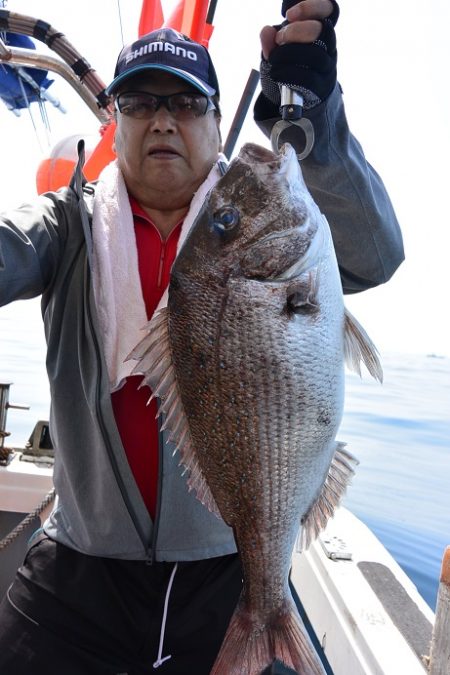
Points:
241	113
211	11
246	98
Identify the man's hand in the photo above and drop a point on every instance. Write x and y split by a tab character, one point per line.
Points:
304	25
301	53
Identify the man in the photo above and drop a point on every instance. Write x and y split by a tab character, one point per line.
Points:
131	572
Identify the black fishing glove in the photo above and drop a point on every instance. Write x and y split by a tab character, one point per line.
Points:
308	68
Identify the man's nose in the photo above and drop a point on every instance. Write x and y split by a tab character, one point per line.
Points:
163	120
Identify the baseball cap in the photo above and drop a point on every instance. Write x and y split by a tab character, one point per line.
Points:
166	49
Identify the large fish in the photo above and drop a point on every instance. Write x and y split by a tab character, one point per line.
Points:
248	361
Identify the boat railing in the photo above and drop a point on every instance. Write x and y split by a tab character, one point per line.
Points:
6	453
69	63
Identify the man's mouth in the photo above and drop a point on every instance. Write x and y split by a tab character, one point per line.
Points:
163	151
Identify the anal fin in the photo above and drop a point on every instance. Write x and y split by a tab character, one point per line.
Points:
322	509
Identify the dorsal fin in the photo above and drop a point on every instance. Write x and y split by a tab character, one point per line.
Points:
359	347
154	361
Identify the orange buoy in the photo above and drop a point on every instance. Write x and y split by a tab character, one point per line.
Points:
56	171
102	154
53	174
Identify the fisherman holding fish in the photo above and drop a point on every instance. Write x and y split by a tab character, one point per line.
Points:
132	572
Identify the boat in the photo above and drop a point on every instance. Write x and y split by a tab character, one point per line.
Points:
364	614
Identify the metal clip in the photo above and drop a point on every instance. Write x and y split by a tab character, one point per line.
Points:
291	112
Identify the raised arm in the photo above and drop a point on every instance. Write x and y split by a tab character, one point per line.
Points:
302	54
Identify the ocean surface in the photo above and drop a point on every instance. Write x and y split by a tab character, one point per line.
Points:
400	432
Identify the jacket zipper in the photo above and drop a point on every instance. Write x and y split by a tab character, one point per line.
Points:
162	258
159	491
103	428
151	555
152	559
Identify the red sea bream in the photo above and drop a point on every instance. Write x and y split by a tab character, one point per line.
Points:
248	362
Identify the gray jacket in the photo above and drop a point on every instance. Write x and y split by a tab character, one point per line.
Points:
43	250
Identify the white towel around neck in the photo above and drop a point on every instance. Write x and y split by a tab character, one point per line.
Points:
117	286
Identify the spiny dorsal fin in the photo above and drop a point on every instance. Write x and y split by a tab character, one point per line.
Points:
333	489
359	347
154	361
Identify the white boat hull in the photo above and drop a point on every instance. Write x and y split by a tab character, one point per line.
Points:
364	627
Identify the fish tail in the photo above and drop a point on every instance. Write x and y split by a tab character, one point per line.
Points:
250	647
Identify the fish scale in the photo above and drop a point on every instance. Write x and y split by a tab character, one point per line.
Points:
251	345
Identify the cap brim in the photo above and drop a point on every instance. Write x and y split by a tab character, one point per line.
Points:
188	77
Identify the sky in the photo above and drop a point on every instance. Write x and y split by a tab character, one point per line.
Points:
393	63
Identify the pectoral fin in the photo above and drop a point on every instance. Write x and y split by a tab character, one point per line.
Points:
301	296
359	347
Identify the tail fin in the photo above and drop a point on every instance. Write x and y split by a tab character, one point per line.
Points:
250	646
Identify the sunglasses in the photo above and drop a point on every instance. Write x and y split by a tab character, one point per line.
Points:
142	105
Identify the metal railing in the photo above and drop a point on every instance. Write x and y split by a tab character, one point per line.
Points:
71	65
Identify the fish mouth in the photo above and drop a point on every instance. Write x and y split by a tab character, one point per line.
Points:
282	169
251	153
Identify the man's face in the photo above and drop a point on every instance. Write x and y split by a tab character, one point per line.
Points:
164	160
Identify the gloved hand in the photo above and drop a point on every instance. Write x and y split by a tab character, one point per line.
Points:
301	52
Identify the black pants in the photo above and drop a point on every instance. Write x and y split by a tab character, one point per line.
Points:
71	614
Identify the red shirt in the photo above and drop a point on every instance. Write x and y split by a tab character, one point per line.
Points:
136	421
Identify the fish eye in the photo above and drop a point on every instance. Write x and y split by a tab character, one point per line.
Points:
226	219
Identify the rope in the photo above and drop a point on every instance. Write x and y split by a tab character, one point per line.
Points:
6	541
161	659
120	20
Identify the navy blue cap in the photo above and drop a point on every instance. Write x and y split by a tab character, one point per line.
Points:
166	49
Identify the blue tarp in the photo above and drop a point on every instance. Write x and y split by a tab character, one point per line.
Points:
12	86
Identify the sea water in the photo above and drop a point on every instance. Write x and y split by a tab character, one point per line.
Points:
399	431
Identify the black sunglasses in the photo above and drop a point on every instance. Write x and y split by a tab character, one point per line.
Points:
142	105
